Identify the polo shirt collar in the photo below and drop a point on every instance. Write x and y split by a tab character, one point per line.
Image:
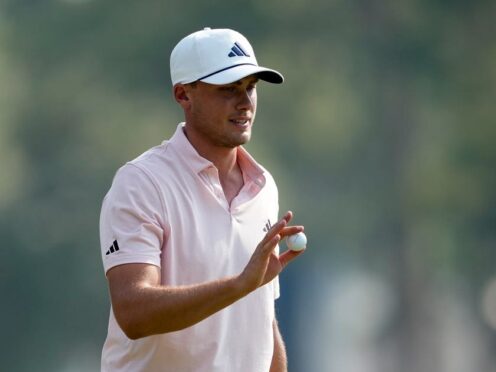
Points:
187	152
252	171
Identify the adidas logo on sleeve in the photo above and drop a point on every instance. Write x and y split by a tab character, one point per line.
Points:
113	248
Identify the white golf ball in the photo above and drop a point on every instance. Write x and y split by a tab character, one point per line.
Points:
296	242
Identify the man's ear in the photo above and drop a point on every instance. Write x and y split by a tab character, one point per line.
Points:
181	95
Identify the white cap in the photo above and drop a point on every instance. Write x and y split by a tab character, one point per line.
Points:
218	56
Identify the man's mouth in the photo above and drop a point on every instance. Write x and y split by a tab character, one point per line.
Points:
241	122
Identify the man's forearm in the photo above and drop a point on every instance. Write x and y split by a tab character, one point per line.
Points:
145	309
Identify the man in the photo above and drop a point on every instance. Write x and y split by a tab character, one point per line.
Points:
189	229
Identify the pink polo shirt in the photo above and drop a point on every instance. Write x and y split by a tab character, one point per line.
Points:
167	208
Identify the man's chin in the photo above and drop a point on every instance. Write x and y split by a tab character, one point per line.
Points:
245	138
240	139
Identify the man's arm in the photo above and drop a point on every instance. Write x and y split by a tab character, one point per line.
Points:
143	307
279	359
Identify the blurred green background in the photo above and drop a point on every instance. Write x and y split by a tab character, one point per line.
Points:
382	140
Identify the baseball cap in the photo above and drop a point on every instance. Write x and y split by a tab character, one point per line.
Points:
216	56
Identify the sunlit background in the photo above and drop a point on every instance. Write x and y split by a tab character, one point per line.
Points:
382	140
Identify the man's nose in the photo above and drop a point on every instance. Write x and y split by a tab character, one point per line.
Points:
246	100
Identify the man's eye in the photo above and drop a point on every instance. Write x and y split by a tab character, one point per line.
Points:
229	89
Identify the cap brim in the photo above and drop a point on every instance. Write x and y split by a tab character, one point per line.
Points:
239	72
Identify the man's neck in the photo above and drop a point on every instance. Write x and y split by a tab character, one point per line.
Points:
225	160
230	174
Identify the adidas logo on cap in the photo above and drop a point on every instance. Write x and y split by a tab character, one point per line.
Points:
236	50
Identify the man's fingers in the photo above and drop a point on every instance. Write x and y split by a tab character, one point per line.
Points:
288	216
267	246
290	230
274	230
279	226
278	232
273	242
289	255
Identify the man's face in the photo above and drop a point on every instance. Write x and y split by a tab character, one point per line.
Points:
223	114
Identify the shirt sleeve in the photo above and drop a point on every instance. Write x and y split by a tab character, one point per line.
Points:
131	220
